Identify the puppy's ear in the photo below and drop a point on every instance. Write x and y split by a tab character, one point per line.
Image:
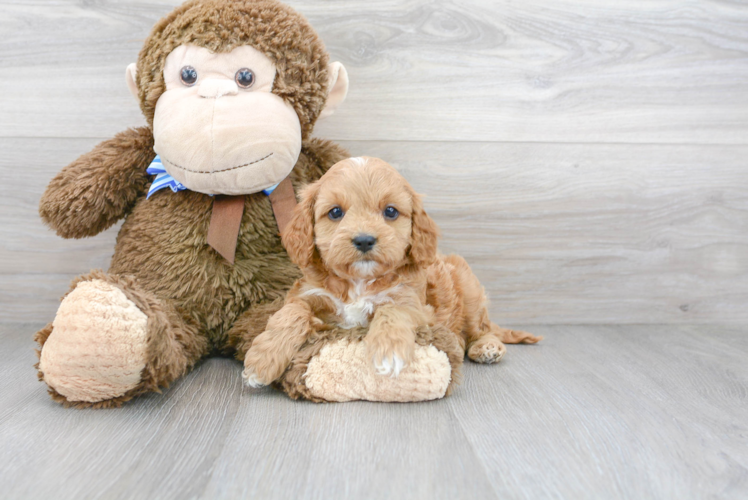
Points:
298	235
424	235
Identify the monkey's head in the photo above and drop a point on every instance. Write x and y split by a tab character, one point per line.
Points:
230	89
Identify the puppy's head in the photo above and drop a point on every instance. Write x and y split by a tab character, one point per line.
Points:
361	220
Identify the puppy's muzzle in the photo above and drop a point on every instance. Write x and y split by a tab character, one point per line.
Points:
364	242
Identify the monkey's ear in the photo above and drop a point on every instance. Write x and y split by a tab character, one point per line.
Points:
131	75
338	88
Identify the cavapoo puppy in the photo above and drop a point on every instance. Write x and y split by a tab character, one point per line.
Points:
368	253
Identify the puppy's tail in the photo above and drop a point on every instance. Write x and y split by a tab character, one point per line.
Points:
516	336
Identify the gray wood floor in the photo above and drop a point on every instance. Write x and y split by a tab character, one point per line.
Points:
598	412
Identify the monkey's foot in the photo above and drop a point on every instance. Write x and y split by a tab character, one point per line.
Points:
96	350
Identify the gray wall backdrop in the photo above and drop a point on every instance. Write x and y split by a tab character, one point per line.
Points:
589	158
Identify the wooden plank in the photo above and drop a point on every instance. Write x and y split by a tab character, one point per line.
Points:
356	450
591	412
474	70
614	412
592	233
161	446
569	233
26	244
175	445
32	297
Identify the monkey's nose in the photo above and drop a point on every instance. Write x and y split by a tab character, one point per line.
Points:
215	88
364	242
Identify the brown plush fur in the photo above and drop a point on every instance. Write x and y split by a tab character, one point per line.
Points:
406	283
196	302
99	188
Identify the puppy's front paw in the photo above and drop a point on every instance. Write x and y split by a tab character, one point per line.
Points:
390	354
262	366
251	378
391	366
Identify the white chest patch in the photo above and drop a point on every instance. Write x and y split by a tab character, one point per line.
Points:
359	307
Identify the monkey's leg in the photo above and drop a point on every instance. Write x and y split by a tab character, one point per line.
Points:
111	341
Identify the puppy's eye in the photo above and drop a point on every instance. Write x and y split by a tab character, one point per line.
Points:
391	213
335	213
245	78
188	75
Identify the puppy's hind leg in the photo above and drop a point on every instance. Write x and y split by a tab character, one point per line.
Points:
484	339
516	336
485	345
488	346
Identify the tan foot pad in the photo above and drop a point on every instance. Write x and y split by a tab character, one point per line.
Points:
487	351
344	371
97	348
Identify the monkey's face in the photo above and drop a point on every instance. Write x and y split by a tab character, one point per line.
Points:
218	128
230	89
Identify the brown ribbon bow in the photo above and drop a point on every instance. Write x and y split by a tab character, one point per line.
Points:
226	219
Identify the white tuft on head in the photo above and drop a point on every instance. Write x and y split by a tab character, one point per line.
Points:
358	161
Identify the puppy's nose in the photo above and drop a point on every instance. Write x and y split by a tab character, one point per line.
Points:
364	242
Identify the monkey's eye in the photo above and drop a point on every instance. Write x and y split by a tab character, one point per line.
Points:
335	213
391	213
245	78
188	75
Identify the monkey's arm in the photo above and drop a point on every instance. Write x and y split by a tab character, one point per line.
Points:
100	187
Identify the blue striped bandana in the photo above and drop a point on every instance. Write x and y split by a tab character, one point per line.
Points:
164	180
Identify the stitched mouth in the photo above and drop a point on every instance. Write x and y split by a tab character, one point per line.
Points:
164	160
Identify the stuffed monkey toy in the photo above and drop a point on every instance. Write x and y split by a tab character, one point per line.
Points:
231	90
